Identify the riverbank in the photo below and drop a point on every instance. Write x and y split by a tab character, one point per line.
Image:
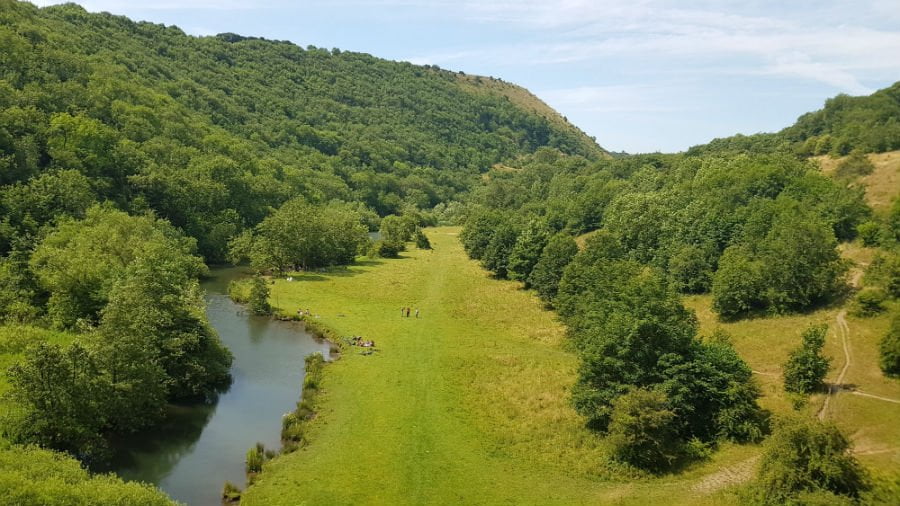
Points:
467	404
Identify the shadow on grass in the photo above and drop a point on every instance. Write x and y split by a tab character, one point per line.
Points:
342	271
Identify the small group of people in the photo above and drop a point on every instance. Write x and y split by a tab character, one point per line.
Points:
358	341
404	312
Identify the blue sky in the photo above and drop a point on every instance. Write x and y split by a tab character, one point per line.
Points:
642	75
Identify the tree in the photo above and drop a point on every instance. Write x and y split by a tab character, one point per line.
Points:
79	261
527	251
889	349
548	270
806	367
478	232
259	296
422	241
61	399
156	306
806	456
642	430
496	255
869	302
299	234
397	229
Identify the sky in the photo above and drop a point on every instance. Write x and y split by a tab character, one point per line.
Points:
639	75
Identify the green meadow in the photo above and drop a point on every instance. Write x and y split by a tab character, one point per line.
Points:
468	404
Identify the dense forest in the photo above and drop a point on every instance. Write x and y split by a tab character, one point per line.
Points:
210	132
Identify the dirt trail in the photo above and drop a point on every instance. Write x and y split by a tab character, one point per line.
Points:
731	475
835	386
880	398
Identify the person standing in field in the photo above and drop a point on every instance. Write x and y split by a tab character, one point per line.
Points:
417	312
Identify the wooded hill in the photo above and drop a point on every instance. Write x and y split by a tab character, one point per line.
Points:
210	132
868	124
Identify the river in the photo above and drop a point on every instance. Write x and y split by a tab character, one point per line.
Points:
200	446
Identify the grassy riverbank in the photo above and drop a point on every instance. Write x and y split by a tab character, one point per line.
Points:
467	404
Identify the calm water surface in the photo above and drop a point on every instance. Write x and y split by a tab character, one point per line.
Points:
201	446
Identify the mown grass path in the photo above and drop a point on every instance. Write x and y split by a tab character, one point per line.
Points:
469	404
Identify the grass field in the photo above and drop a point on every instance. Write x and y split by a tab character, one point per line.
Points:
469	404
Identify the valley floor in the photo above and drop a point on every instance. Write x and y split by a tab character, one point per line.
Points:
469	404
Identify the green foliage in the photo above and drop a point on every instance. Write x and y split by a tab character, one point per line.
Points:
79	261
422	241
496	255
889	349
30	476
397	229
209	132
642	430
884	272
259	297
631	330
256	456
18	292
866	124
787	260
302	235
527	251
870	233
806	367
869	302
549	268
805	456
62	400
478	232
231	492
385	249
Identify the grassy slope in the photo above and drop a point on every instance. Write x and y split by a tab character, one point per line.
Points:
765	344
468	404
521	97
882	185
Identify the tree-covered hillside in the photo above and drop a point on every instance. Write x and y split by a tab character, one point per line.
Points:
210	132
868	124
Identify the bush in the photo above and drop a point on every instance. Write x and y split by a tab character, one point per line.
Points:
231	492
385	249
855	165
806	368
870	233
889	349
256	456
642	430
869	302
808	457
259	297
422	241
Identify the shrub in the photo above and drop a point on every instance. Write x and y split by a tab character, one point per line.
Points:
870	233
889	348
869	302
422	241
385	249
259	297
855	165
642	430
256	455
231	492
806	368
808	457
